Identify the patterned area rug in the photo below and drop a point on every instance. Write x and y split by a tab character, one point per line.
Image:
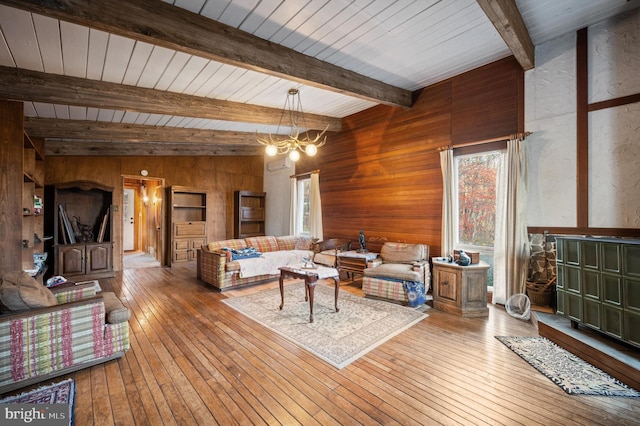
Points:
337	337
571	373
63	392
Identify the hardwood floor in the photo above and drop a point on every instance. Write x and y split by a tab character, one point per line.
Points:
193	360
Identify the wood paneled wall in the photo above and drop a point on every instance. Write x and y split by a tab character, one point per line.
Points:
11	182
221	176
382	173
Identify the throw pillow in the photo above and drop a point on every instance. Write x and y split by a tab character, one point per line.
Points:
19	292
304	243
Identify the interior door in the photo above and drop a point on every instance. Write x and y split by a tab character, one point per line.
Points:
128	222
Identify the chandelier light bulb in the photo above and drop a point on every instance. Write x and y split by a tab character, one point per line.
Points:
297	139
294	155
272	150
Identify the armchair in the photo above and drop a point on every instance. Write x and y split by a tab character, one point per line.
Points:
325	251
401	274
47	333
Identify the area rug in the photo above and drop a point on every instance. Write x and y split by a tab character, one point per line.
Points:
339	338
63	392
574	375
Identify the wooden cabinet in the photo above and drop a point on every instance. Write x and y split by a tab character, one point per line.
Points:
460	290
90	259
188	221
80	217
249	214
598	284
21	180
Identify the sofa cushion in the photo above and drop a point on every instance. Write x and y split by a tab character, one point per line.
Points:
403	252
263	244
232	244
19	292
394	271
115	310
295	242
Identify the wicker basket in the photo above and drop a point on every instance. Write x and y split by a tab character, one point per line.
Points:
541	293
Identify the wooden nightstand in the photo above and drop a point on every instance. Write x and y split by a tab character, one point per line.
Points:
460	290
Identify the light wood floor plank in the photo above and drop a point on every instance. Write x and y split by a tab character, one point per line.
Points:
194	360
102	412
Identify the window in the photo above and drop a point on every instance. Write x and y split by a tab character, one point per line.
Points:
303	207
477	176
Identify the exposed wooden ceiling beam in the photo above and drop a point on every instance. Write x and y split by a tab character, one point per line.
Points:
505	16
93	148
132	133
162	24
24	85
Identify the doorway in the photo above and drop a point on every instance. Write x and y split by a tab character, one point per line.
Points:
142	222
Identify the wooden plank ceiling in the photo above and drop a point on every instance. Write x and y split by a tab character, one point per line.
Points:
200	77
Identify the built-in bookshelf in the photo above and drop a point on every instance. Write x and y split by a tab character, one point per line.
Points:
249	212
188	221
80	218
21	193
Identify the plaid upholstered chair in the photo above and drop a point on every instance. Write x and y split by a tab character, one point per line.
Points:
47	333
401	274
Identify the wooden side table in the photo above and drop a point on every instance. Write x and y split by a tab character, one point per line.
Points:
460	290
354	262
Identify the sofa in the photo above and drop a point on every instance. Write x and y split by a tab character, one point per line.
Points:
218	267
46	333
400	274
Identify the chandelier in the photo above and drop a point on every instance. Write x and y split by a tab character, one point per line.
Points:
297	141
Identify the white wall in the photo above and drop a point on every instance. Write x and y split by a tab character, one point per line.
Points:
278	199
614	133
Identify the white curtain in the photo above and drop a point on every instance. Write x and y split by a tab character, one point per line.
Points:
511	248
315	207
449	213
293	215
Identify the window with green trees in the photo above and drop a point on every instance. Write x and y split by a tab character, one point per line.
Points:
477	188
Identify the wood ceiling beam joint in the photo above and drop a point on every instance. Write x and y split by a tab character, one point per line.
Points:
506	18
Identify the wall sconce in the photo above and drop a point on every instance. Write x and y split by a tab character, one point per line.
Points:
145	197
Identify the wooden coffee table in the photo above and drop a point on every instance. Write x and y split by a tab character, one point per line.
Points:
310	277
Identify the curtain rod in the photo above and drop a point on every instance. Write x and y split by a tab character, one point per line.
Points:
305	174
502	138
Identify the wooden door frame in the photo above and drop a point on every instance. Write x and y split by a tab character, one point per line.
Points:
161	233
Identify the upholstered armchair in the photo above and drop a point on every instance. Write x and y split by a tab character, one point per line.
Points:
401	274
47	333
325	251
